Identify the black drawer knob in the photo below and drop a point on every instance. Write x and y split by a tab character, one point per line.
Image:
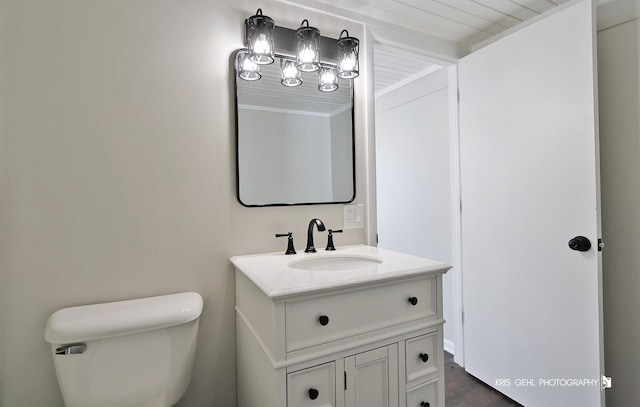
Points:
313	394
424	357
413	300
324	320
425	404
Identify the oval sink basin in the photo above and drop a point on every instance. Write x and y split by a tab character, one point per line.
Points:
335	263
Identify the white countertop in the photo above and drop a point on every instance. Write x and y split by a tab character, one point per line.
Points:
273	275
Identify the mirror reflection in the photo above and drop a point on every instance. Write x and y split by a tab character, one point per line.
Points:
295	144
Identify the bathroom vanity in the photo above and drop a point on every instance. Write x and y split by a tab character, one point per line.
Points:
358	326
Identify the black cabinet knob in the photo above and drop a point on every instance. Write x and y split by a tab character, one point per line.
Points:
425	404
580	243
324	320
313	393
413	300
424	357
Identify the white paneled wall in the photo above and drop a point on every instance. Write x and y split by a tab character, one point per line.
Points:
413	168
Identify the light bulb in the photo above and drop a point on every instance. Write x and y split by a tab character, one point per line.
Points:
328	81
290	76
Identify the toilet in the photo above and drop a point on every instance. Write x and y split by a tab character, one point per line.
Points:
126	353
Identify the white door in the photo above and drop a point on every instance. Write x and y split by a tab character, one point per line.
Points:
529	179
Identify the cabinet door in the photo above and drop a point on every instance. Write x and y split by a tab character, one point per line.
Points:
372	378
312	387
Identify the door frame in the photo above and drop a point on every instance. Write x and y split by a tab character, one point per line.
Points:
456	218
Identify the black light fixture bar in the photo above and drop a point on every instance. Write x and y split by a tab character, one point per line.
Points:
285	44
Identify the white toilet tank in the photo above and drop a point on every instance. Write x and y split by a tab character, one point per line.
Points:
126	353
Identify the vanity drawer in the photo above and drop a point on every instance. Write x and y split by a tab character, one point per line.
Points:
423	395
312	387
422	357
331	317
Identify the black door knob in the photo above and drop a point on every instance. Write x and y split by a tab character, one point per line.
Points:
413	300
580	243
324	320
425	404
424	357
313	394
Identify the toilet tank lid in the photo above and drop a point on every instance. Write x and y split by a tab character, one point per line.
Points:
99	321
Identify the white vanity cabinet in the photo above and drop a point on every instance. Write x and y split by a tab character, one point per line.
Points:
366	338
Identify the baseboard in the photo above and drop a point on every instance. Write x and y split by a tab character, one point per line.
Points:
449	347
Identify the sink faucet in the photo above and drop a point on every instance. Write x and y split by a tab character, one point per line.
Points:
310	247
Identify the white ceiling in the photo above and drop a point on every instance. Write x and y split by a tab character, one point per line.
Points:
429	29
394	66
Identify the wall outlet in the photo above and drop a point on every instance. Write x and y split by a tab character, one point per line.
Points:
353	216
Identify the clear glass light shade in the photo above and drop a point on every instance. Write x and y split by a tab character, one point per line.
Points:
260	38
290	76
327	79
247	69
307	53
348	50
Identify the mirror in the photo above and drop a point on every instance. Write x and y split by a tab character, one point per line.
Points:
294	145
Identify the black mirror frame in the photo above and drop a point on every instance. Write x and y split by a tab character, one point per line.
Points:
237	142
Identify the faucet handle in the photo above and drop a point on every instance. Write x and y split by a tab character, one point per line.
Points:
290	248
330	245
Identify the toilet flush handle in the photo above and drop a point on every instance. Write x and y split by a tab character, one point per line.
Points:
71	349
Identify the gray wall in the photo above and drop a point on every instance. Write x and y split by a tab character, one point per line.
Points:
118	174
619	99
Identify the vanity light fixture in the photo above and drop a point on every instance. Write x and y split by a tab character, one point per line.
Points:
348	50
259	38
327	79
263	38
307	53
290	76
247	69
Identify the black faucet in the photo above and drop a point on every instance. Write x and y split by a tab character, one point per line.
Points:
310	247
